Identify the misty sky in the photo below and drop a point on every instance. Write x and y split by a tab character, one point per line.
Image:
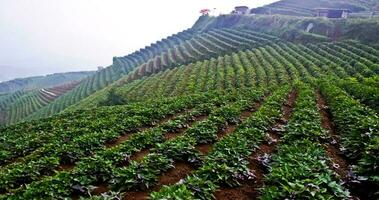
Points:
39	37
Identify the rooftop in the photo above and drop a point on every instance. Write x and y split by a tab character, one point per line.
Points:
332	9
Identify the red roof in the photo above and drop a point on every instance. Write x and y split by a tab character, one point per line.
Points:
205	11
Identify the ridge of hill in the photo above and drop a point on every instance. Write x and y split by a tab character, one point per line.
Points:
298	29
305	8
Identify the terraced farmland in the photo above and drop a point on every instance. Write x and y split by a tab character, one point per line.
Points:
15	107
183	48
222	113
228	129
272	64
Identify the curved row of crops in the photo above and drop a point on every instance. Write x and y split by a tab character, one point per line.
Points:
185	47
16	106
273	64
52	155
300	168
38	82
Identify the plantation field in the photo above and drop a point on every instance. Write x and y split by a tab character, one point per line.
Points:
213	144
230	127
213	112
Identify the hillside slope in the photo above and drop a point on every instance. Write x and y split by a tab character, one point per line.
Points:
221	116
15	107
39	82
120	67
208	44
201	45
207	39
233	108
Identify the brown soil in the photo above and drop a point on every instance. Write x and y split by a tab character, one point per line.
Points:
139	155
226	131
126	136
118	141
204	148
139	195
249	188
102	188
172	176
201	118
172	135
288	106
245	114
66	167
339	165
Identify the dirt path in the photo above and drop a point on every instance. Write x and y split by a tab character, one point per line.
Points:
172	176
339	163
258	160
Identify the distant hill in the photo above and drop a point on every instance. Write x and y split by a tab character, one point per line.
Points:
306	7
38	82
14	107
298	29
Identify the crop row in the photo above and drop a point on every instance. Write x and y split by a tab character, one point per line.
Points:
358	127
204	46
227	163
285	61
86	174
31	101
274	64
366	94
81	132
299	170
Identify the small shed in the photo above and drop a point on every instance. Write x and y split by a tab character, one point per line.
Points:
332	13
242	10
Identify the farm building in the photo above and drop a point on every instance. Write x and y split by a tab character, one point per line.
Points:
205	11
241	10
332	13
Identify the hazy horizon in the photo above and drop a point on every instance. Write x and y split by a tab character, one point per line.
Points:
42	37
